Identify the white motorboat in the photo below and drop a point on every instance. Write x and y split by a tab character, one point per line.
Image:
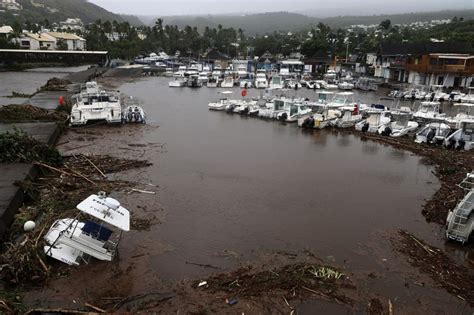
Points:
460	220
261	80
350	116
203	77
377	119
463	138
246	83
399	126
327	86
437	94
330	75
342	99
276	82
178	82
469	98
193	80
73	242
345	86
223	101
94	104
312	85
212	82
180	73
435	132
465	111
429	111
293	85
272	109
168	72
228	82
293	112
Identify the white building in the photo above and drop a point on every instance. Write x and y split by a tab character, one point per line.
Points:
51	41
5	30
10	5
72	24
72	41
36	41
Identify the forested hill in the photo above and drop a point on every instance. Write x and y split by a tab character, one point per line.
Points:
36	11
251	23
286	21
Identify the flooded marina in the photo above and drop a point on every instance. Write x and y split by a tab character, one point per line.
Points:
235	190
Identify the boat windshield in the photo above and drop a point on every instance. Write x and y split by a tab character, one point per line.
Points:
293	110
279	104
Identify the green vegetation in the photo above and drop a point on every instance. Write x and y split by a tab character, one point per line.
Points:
321	41
18	146
58	10
285	21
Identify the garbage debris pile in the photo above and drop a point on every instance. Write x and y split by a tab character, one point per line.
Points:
29	113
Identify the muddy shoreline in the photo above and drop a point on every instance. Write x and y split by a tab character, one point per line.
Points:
259	290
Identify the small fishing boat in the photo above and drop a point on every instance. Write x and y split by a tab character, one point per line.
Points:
228	82
399	126
319	120
223	101
463	138
272	109
429	111
261	80
276	82
345	86
212	82
377	119
435	132
246	83
350	116
178	82
293	112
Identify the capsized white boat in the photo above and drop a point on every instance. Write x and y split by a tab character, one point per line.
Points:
73	242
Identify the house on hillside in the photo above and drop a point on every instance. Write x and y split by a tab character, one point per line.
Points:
433	63
74	24
10	5
5	30
72	41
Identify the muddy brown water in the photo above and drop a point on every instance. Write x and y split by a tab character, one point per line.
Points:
233	190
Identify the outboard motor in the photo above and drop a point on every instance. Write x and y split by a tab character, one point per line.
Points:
245	111
365	127
283	116
387	131
461	144
430	136
308	122
451	144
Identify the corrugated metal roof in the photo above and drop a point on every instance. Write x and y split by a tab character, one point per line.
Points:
66	36
90	52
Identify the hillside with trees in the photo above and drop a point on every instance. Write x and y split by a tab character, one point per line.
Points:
286	21
35	11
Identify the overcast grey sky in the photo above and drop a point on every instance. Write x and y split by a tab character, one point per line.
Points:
316	7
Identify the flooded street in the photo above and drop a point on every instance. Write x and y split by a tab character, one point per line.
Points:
235	190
